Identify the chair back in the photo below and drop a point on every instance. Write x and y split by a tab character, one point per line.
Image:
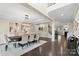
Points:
31	37
6	39
37	37
25	38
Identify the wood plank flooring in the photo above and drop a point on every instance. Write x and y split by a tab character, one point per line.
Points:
56	48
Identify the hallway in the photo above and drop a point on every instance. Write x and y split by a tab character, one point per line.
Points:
56	48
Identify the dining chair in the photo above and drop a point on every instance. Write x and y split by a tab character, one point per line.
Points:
36	38
31	39
24	41
13	39
6	42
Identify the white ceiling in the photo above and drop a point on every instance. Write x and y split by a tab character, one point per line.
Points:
16	11
56	6
64	14
42	7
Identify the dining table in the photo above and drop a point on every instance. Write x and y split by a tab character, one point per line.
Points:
15	39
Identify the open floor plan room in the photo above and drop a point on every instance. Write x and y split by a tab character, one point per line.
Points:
39	29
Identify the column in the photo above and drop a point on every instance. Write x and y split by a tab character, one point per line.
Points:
53	31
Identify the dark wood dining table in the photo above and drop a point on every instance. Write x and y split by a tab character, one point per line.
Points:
15	38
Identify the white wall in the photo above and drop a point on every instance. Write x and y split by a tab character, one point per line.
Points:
76	32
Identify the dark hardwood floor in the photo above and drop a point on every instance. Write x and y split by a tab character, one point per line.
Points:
56	48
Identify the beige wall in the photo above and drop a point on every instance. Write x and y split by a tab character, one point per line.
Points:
4	26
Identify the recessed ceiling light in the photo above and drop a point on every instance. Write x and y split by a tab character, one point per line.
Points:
62	14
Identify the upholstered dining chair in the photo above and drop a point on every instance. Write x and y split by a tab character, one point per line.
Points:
24	41
36	38
31	39
6	42
13	39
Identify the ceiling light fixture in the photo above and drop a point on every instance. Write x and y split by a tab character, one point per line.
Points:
26	19
62	14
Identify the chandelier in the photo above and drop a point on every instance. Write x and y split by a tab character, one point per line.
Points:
26	24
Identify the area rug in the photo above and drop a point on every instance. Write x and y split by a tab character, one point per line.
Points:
12	51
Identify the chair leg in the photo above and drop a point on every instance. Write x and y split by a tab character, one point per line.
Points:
33	42
18	44
6	47
27	44
14	45
22	47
